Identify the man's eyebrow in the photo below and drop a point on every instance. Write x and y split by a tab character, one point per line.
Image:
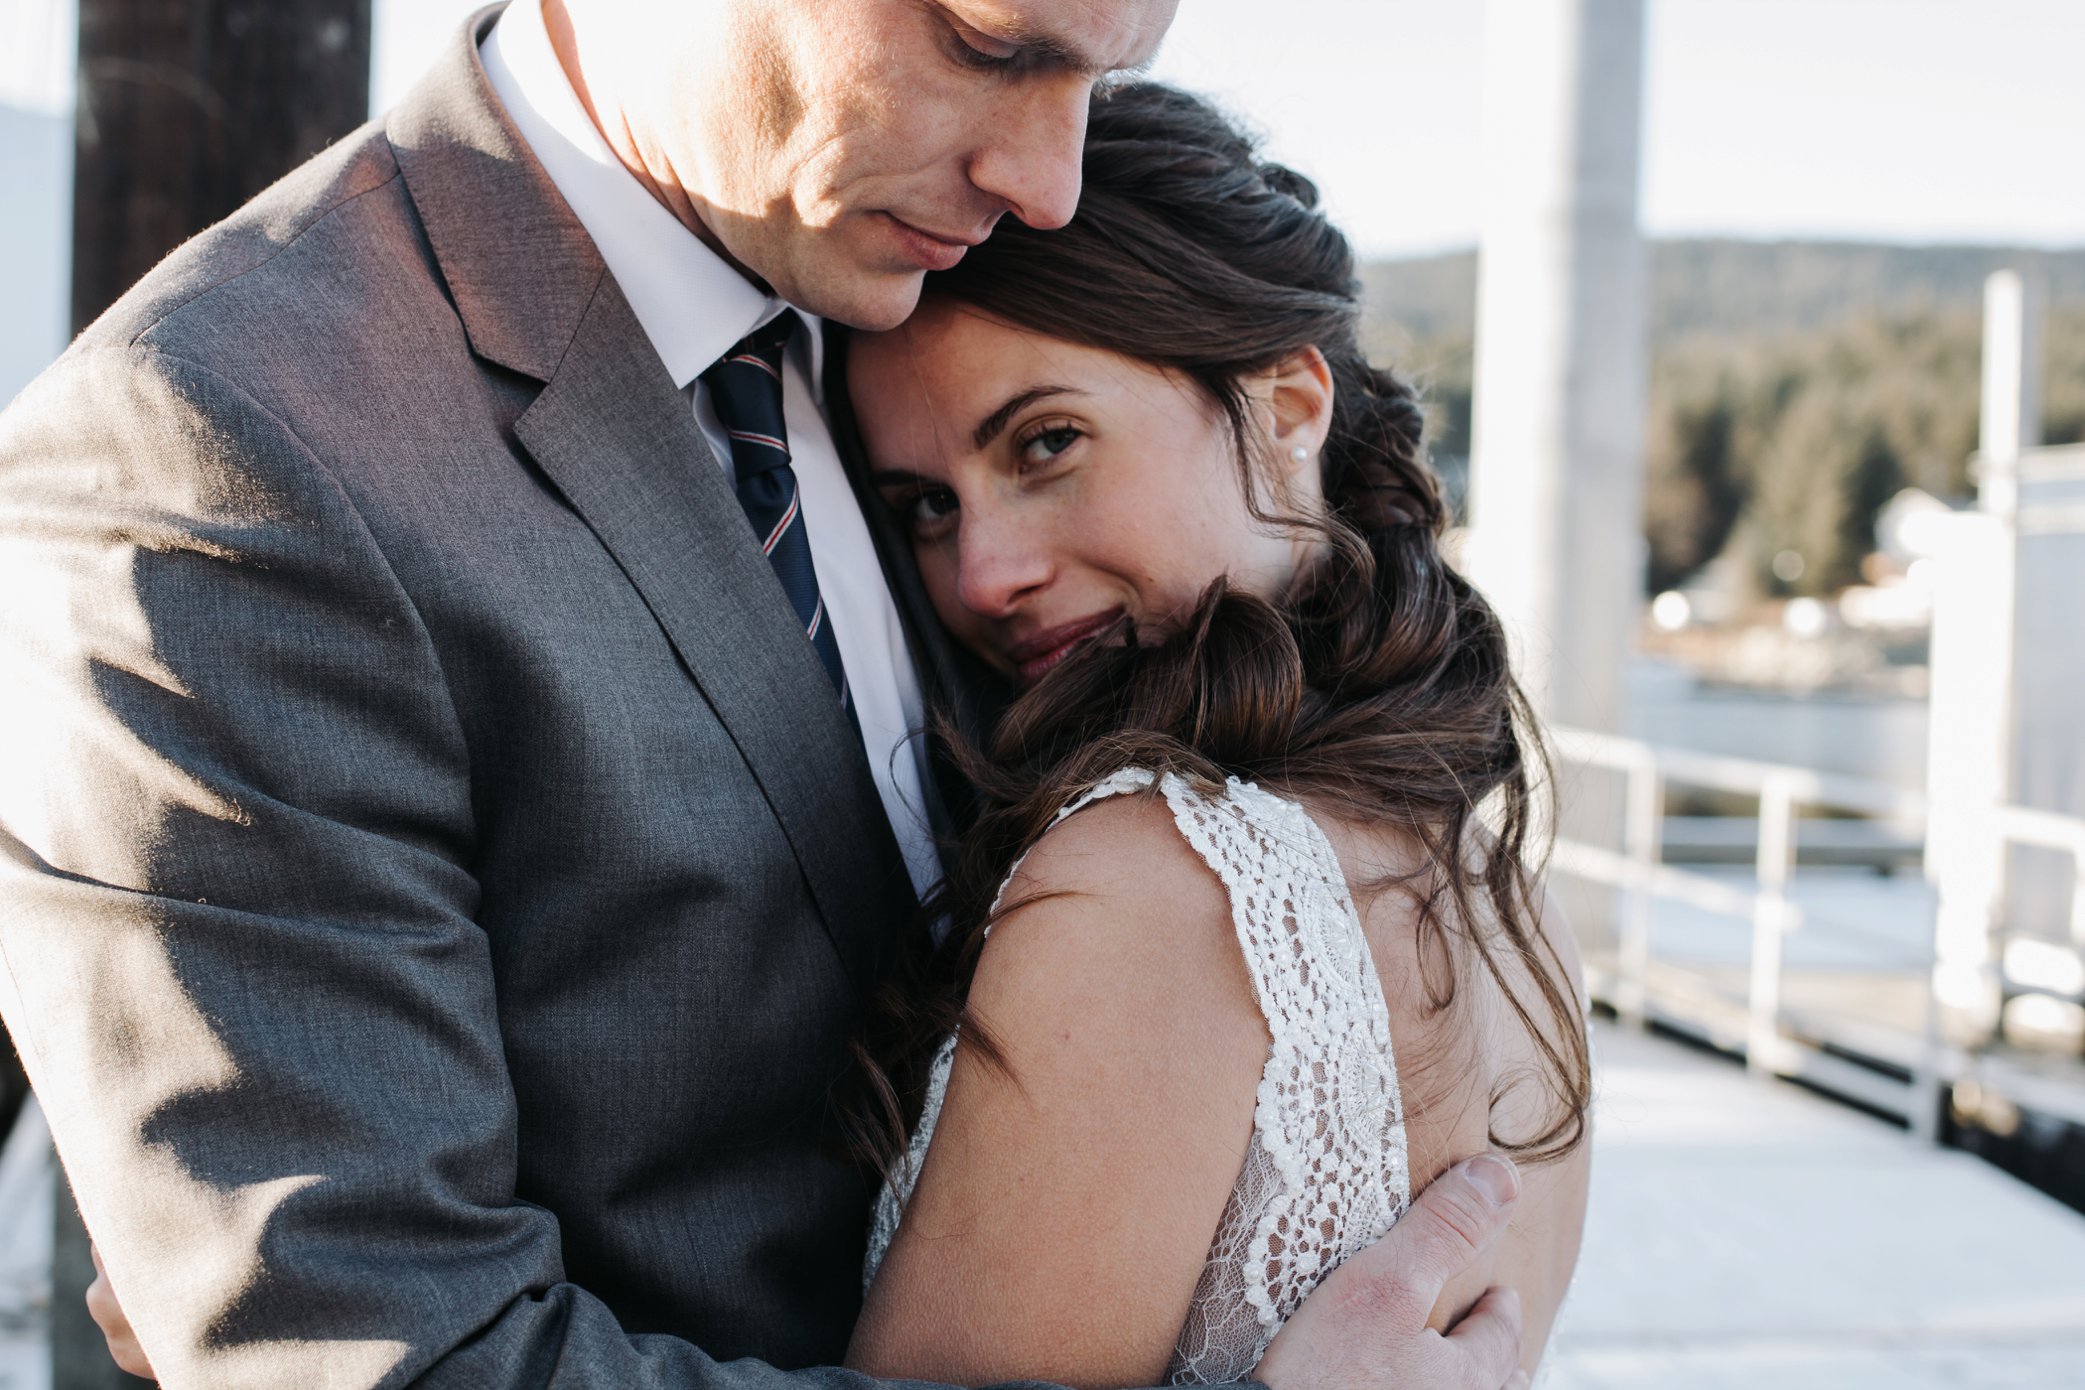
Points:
989	428
1050	51
1039	45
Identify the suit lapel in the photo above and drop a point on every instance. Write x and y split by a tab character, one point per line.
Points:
616	437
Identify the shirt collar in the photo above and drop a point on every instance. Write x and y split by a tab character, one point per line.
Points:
692	304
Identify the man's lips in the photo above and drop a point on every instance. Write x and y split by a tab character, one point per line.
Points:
930	250
1034	657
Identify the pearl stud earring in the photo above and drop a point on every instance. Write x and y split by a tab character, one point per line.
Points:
1300	454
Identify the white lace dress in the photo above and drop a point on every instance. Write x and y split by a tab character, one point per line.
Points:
1326	1172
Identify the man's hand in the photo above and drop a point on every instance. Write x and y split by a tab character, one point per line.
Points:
108	1316
1365	1327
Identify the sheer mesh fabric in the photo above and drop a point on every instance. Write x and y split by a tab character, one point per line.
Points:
1326	1172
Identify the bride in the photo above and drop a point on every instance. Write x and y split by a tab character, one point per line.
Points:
1243	948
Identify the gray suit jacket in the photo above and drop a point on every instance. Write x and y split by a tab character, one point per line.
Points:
437	886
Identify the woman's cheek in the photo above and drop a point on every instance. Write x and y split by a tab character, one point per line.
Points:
937	572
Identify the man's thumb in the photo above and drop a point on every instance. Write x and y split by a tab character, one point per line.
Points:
1454	1220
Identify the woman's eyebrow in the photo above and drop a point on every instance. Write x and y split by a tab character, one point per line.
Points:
896	477
989	428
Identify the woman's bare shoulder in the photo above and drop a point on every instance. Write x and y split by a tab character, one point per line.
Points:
1122	844
1113	902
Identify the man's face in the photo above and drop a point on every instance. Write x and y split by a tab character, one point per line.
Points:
843	148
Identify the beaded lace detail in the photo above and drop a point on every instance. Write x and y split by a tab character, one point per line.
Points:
1326	1172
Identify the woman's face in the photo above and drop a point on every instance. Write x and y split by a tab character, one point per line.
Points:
1050	489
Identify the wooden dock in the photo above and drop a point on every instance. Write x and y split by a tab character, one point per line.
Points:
1748	1233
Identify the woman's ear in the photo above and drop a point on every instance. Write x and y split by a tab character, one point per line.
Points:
1298	396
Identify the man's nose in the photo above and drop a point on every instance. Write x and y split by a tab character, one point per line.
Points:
999	563
1031	159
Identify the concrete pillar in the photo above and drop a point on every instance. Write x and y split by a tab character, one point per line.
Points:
1974	660
1970	711
1556	475
1556	465
2011	422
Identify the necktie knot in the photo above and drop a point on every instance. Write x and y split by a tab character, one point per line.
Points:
772	338
746	387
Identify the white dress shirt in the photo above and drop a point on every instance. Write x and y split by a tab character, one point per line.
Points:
694	307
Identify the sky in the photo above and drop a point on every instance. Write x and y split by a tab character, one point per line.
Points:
1900	120
1896	120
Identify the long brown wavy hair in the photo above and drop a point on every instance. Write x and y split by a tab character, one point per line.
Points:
1377	689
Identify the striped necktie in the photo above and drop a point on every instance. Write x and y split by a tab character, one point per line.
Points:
746	389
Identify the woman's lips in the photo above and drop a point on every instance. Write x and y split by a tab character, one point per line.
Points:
924	248
1035	657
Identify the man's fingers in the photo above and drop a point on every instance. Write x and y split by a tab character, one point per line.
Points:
1488	1339
1448	1226
1520	1381
1370	1315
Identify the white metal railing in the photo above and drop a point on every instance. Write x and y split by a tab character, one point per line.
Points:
2020	825
27	1166
1642	878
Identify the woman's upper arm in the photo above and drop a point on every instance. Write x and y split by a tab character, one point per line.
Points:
1069	1198
1472	1071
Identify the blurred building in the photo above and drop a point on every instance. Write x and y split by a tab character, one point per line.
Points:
36	171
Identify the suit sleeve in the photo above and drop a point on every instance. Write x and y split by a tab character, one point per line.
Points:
238	947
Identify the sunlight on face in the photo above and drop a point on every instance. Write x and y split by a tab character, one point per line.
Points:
840	149
1051	488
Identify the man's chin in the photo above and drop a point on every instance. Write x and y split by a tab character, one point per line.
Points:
873	301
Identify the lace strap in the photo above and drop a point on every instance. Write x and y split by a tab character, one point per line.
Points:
1330	1117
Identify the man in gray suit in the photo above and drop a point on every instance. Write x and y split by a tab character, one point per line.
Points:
441	878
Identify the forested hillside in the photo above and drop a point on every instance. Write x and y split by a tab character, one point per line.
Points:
1795	387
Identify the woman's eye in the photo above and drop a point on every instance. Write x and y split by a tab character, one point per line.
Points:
930	507
1047	444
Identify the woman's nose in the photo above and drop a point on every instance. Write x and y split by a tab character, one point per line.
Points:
999	563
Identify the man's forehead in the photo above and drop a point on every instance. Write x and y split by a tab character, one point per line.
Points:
1098	35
